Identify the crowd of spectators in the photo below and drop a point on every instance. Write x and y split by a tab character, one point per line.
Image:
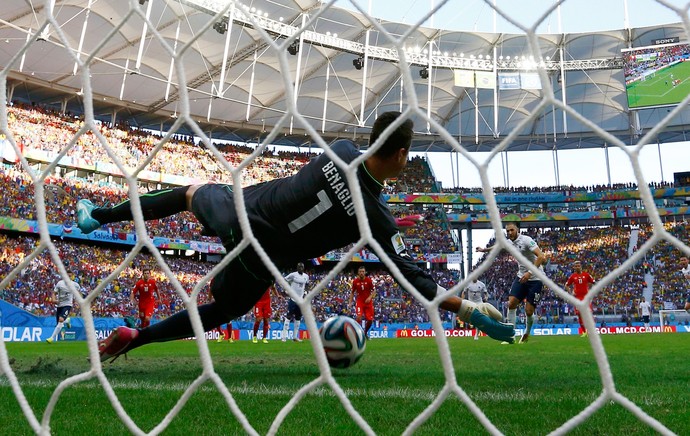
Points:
89	266
559	188
640	62
417	178
601	250
663	263
37	128
425	236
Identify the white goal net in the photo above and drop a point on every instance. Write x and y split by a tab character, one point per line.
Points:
671	319
273	38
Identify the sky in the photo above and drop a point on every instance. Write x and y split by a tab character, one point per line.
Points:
537	168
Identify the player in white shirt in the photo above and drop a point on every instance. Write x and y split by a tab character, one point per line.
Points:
525	286
63	298
645	311
685	270
298	282
475	292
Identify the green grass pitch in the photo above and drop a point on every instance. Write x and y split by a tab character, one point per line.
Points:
659	90
528	389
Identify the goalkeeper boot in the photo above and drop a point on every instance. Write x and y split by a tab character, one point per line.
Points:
85	221
494	329
117	343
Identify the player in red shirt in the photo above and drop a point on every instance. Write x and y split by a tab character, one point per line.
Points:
580	282
363	288
263	311
147	292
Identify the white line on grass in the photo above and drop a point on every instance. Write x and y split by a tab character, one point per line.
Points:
387	393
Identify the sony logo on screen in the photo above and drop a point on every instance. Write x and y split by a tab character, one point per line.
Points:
666	40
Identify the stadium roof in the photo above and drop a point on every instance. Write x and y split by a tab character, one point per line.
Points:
236	90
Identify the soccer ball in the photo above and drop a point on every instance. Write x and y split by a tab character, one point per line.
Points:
490	310
343	341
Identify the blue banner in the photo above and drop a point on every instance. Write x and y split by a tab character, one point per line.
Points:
508	81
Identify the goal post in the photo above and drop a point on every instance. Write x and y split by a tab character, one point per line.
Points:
670	317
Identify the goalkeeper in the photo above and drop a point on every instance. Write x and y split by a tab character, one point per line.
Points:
293	218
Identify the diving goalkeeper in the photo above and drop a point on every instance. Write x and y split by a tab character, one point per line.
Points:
293	218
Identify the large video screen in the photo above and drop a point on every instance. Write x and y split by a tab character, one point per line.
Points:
657	76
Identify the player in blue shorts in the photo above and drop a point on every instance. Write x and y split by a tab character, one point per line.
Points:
526	287
293	218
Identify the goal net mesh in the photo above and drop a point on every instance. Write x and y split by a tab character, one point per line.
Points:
410	102
673	317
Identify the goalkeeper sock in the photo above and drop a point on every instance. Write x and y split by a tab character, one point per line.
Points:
530	321
178	326
512	314
154	205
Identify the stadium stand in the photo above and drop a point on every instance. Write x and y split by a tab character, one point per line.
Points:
182	157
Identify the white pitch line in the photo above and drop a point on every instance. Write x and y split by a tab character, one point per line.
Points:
388	393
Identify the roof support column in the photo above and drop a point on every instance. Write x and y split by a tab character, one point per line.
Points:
124	78
495	71
63	105
453	167
21	63
661	167
226	49
460	121
325	97
251	84
402	85
365	68
562	72
506	171
556	169
210	102
476	114
113	117
429	82
144	29
299	63
81	37
172	64
10	92
608	164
